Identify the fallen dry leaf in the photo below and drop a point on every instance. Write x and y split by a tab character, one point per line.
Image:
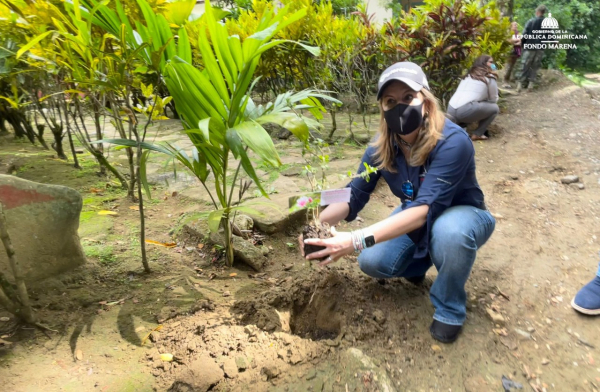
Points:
165	244
436	348
79	355
200	246
500	331
233	274
106	212
135	208
158	328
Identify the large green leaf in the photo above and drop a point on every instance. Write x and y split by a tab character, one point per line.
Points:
218	38
214	220
212	68
235	144
203	125
287	120
166	37
133	143
143	175
184	49
32	43
258	140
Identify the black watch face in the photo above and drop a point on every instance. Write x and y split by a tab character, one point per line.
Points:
370	241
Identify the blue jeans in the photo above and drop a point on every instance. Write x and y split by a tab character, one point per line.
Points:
455	237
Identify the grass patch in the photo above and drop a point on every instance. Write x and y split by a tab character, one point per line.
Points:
104	253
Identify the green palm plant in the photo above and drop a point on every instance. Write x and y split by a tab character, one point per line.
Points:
214	103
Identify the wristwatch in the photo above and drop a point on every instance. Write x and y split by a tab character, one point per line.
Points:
369	240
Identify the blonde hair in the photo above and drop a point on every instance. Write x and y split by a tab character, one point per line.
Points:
429	134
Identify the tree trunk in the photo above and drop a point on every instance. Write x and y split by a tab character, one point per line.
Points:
40	135
100	147
58	145
73	152
138	163
333	123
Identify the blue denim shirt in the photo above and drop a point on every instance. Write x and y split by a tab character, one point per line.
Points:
447	179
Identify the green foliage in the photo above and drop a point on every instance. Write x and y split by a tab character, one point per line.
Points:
341	7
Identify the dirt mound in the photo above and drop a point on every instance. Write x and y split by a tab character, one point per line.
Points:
212	354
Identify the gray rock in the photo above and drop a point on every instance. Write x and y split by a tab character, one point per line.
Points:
200	376
577	185
379	316
42	223
230	368
569	179
283	134
241	363
244	251
496	317
357	362
271	371
243	222
275	216
277	131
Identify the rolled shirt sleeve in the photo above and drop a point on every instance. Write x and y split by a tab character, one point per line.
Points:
361	189
446	170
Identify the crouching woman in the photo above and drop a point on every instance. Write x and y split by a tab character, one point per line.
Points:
429	164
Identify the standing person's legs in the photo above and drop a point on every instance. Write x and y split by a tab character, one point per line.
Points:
587	300
455	238
482	112
536	63
527	66
510	66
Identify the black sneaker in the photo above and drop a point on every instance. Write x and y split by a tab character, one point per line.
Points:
445	333
416	280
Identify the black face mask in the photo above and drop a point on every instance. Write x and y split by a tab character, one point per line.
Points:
404	119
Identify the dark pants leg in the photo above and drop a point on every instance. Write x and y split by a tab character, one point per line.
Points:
532	61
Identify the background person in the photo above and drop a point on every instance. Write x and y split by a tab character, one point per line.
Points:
429	163
532	58
514	56
476	97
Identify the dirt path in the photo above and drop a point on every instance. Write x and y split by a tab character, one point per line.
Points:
298	328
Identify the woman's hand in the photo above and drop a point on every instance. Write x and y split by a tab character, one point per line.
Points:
335	247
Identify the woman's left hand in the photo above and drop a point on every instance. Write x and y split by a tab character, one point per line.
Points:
335	247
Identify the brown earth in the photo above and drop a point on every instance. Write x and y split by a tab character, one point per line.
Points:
297	327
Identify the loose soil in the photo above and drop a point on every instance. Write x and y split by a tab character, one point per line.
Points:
298	327
315	230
